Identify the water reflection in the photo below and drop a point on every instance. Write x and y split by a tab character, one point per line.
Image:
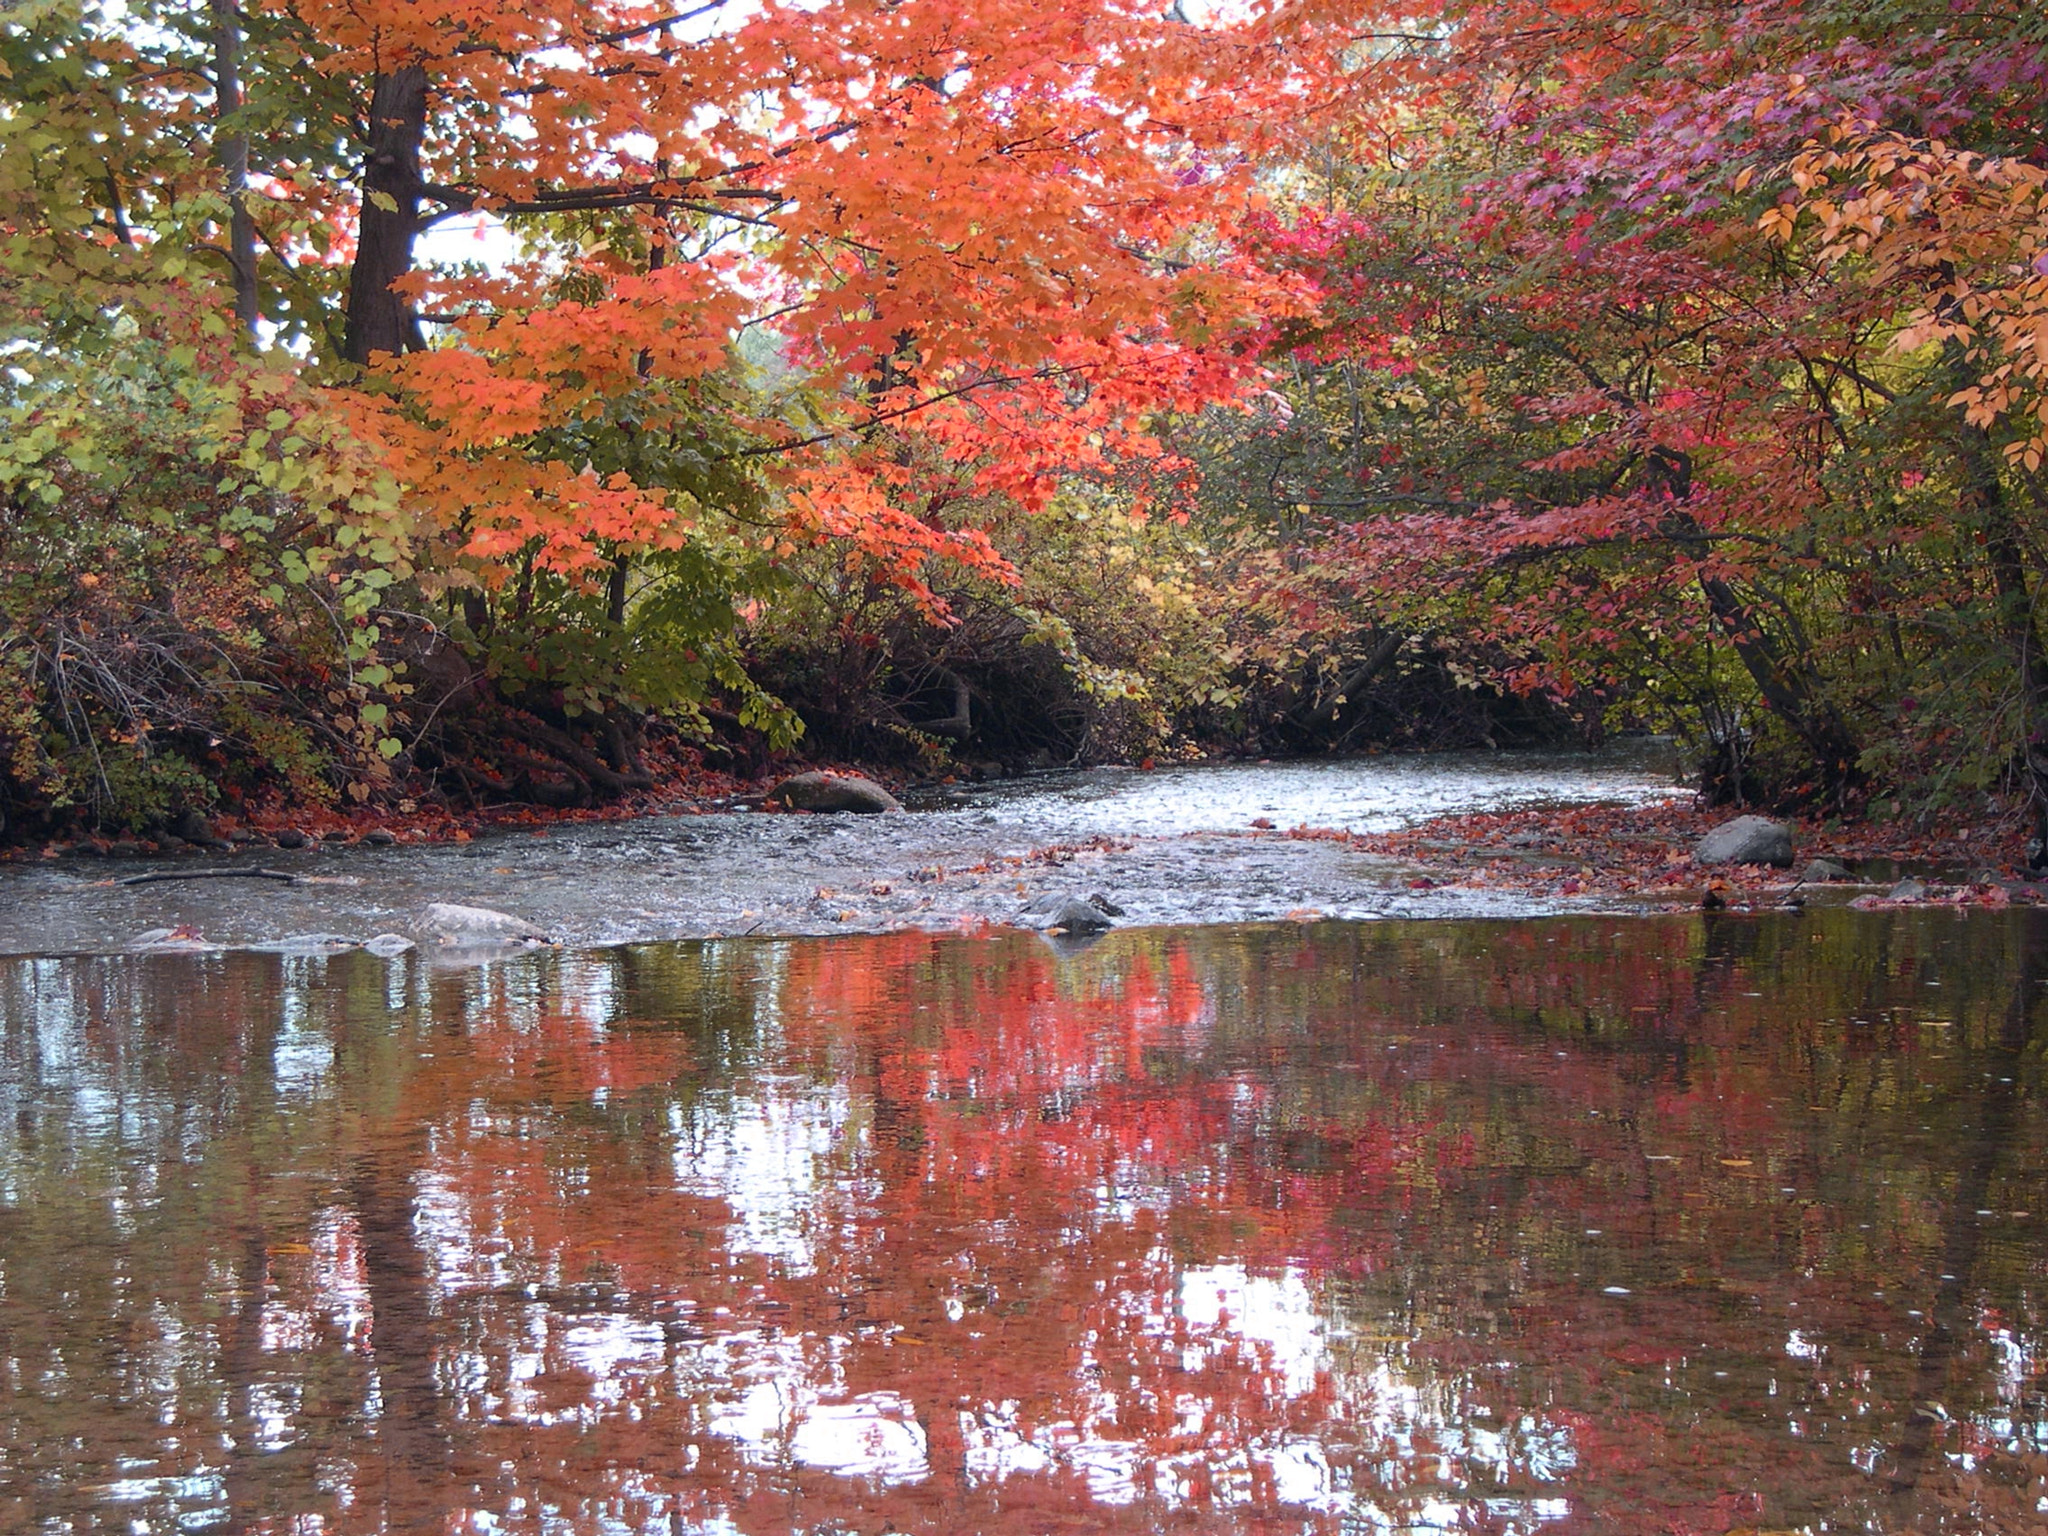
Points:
1681	1225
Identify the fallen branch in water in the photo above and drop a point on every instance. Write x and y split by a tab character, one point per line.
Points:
158	876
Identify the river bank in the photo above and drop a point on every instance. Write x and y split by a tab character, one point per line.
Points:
1450	835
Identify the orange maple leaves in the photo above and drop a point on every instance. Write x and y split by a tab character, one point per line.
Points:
972	222
1963	235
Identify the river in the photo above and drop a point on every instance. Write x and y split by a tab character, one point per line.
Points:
1172	845
1554	1223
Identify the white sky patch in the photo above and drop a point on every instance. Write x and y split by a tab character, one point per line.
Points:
1277	1314
768	1159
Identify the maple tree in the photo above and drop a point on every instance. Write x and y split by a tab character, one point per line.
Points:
787	277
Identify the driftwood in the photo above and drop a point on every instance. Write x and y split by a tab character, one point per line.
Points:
159	876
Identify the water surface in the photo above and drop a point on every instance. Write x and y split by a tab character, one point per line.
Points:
1696	1224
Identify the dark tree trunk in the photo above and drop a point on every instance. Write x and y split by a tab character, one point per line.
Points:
1986	507
1788	682
1381	657
232	149
380	320
1790	685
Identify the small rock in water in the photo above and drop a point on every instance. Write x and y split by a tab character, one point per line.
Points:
385	945
450	924
1824	872
380	837
312	944
1908	890
290	837
1068	913
1747	840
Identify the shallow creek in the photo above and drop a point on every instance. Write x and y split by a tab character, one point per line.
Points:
1174	845
1695	1223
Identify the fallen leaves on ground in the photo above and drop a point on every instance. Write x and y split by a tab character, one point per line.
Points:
1644	851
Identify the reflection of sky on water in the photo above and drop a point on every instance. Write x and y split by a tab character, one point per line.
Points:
762	1154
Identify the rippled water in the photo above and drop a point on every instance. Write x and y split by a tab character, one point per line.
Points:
1361	794
1700	1224
1181	854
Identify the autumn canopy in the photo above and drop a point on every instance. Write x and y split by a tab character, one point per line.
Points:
436	398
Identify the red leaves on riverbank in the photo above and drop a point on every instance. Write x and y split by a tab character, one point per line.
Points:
1645	851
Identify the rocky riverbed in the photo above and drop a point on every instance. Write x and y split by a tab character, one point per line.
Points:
1454	835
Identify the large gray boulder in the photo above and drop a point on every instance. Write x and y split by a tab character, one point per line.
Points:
832	792
1747	840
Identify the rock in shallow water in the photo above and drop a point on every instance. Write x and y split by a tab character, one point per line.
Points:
179	938
1069	914
311	944
1747	840
449	924
832	792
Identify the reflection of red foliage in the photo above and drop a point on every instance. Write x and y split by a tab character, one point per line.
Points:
1177	1205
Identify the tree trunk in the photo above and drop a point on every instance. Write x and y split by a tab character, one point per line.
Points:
1381	657
380	320
1985	506
231	147
1788	682
1790	686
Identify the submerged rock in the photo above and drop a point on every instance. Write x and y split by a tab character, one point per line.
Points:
832	792
1747	840
311	944
449	924
179	938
